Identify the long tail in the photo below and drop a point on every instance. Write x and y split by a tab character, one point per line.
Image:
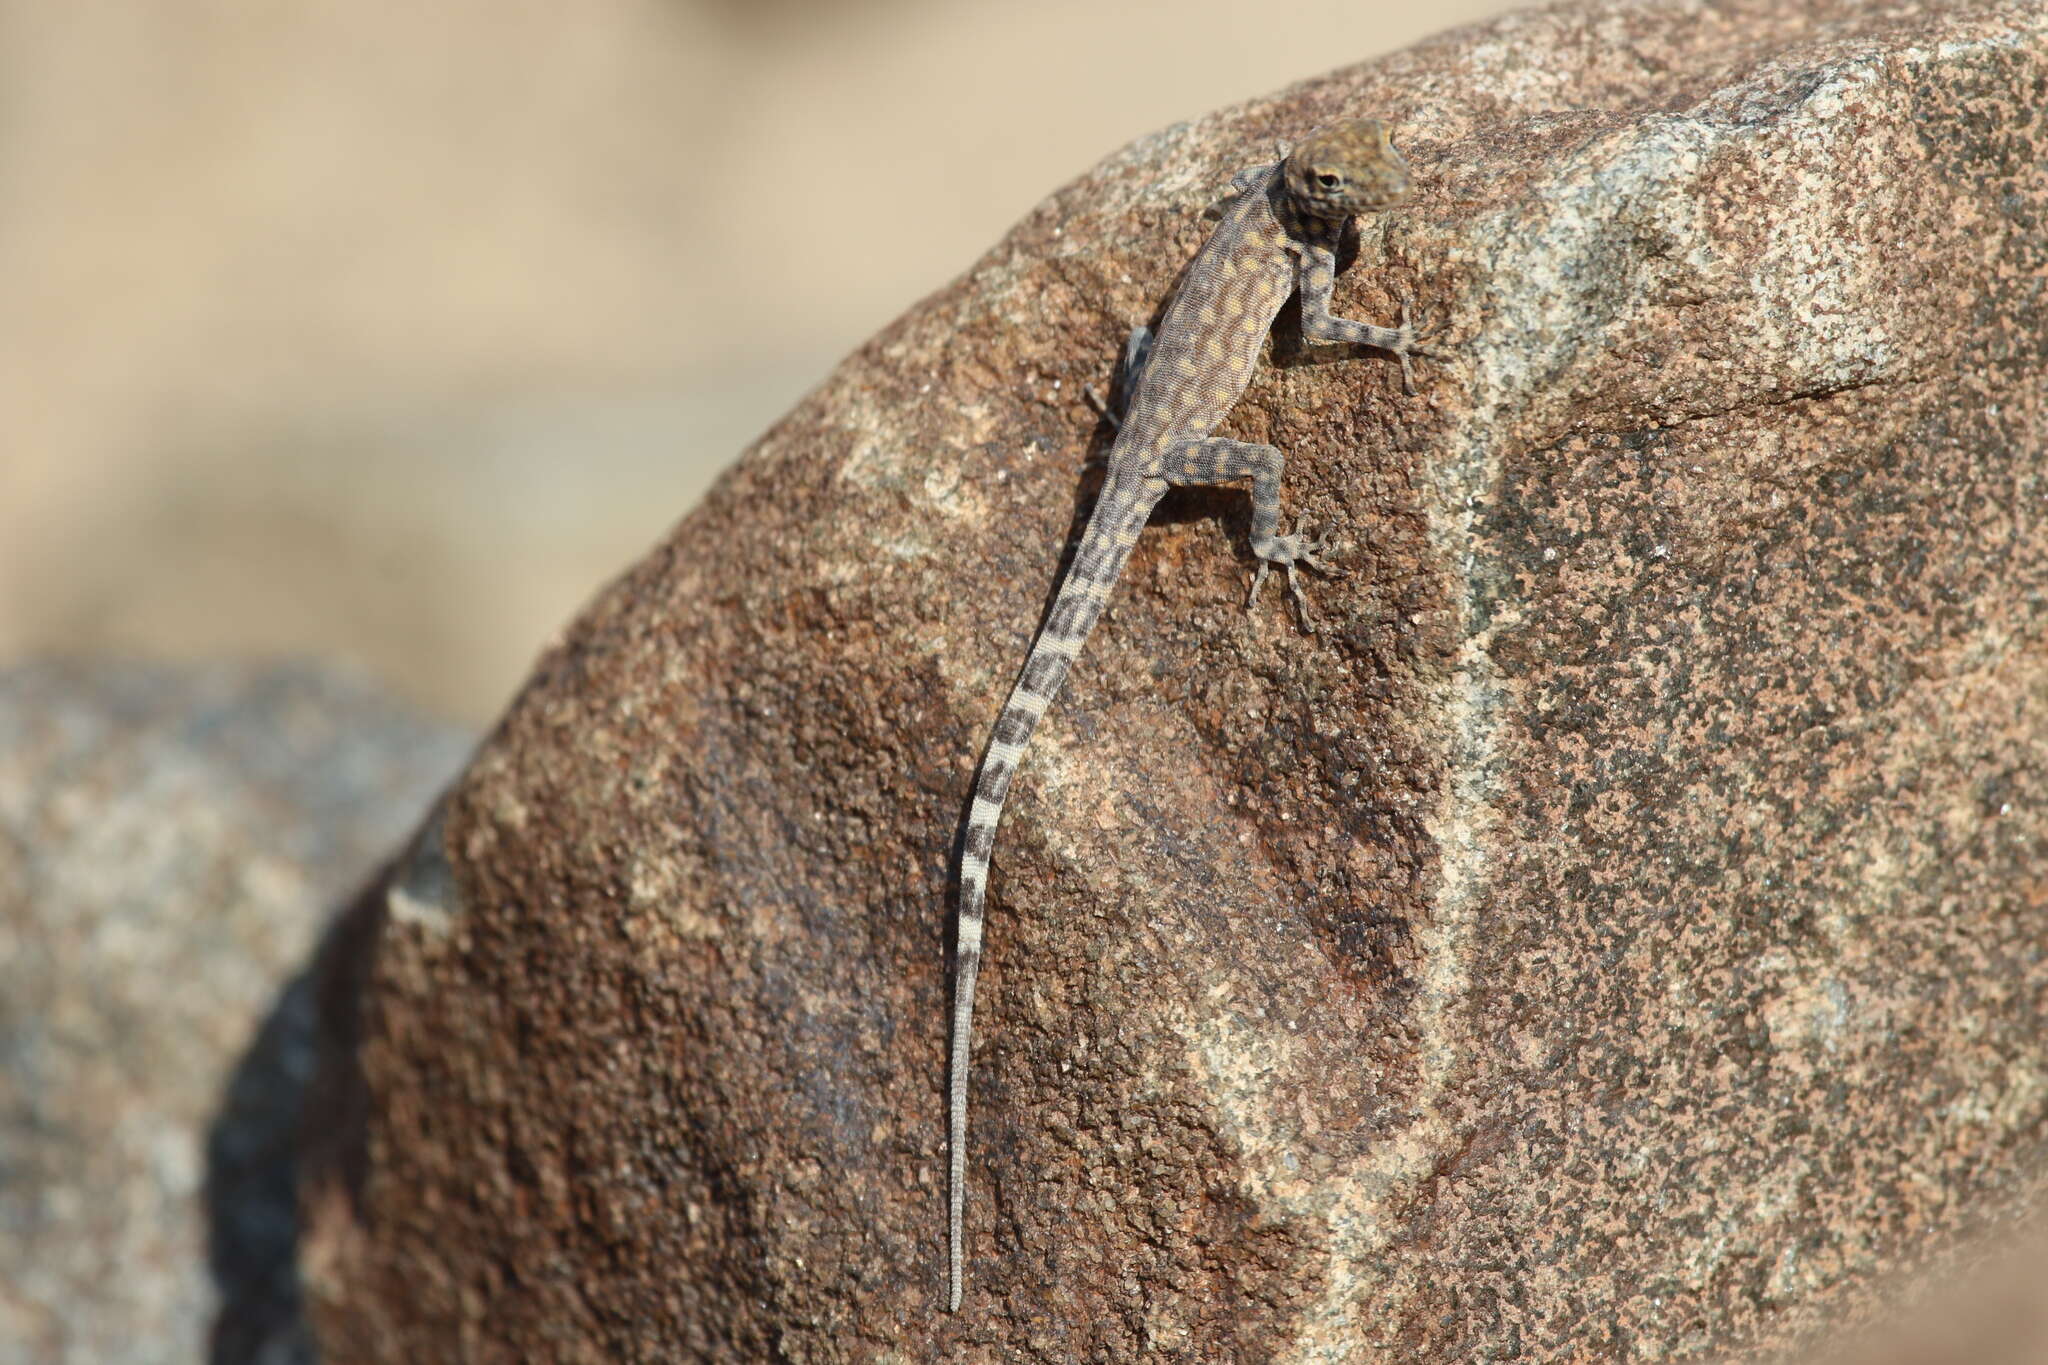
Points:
1112	531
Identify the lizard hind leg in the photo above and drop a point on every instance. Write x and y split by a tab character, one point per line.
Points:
1291	550
1219	460
1137	351
1124	383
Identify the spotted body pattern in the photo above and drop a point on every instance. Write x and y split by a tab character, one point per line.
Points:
1278	232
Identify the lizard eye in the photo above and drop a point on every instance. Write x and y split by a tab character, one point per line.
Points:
1329	181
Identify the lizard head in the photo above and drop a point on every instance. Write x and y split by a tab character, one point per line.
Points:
1347	169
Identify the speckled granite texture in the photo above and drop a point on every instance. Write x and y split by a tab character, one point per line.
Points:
1619	935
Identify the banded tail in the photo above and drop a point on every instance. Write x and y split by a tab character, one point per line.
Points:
1112	530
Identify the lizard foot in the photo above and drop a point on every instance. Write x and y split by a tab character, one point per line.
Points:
1288	552
1414	331
1417	334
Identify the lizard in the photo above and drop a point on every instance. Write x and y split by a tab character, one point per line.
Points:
1277	233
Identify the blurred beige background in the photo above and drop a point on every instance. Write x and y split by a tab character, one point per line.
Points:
386	333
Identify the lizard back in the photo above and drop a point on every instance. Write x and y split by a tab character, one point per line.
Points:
1209	339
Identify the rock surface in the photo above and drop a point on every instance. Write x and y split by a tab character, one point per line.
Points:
1618	934
169	844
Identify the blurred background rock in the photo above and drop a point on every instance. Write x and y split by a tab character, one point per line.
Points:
384	333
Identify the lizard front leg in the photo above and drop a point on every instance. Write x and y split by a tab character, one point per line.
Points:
1218	460
1315	276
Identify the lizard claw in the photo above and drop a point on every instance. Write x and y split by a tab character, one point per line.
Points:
1312	550
1424	344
